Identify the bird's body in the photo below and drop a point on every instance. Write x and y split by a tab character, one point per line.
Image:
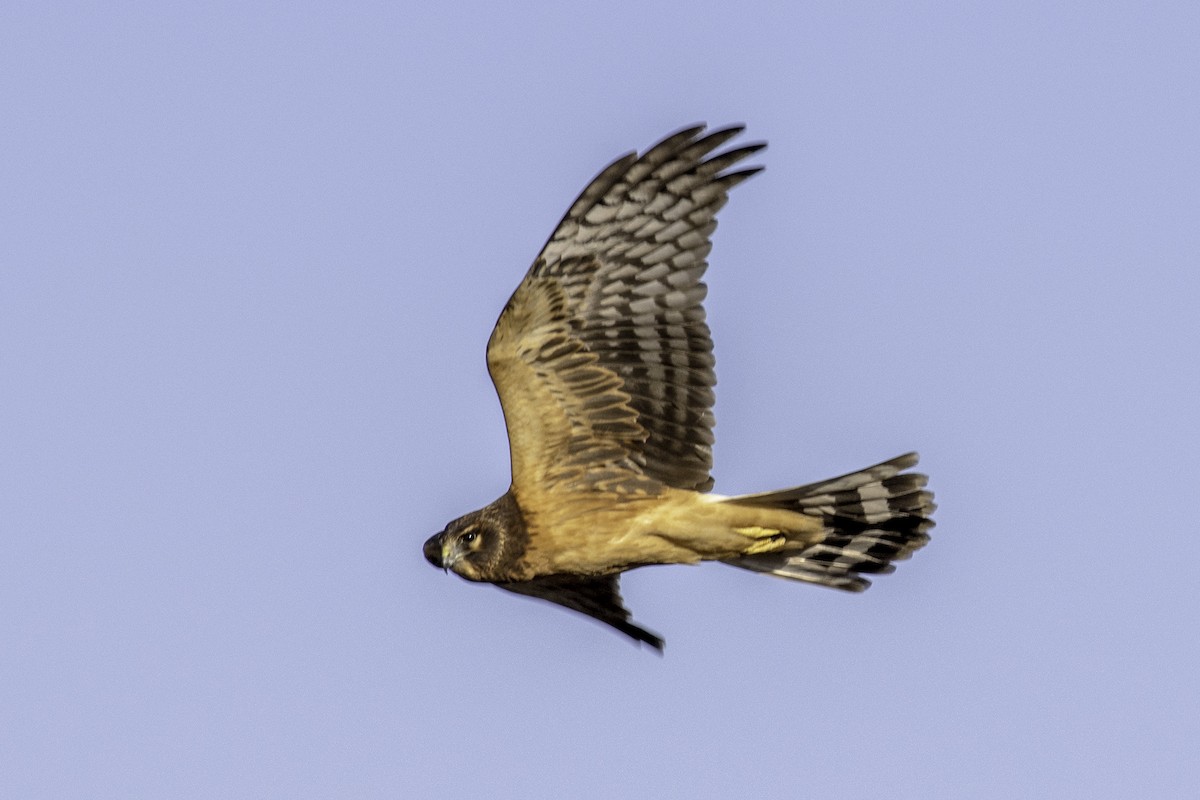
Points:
603	364
604	534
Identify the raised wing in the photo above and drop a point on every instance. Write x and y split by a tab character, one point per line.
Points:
602	358
597	597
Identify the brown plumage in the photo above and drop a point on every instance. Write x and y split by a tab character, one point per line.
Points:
604	367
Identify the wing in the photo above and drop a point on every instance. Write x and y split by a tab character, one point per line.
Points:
597	597
602	358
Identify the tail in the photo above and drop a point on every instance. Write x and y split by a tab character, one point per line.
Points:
872	517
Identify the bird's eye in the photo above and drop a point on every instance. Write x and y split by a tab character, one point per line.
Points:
469	537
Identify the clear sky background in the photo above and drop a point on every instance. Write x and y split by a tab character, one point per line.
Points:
250	255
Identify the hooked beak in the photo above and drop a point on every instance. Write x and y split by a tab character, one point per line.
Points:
434	553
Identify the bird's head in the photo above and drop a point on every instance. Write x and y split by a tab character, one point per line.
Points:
481	546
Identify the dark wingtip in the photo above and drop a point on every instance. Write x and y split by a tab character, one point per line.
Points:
641	635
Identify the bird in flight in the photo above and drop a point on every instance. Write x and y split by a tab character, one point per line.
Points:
604	367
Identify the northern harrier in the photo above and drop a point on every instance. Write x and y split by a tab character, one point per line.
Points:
604	367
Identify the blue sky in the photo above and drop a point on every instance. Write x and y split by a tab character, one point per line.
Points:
250	255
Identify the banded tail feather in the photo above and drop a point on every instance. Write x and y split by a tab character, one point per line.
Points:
872	518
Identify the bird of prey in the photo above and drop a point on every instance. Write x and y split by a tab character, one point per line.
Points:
604	367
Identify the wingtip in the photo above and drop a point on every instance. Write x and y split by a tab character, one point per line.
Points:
641	636
657	645
717	136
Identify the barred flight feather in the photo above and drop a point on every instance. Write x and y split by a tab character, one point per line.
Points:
872	518
629	259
